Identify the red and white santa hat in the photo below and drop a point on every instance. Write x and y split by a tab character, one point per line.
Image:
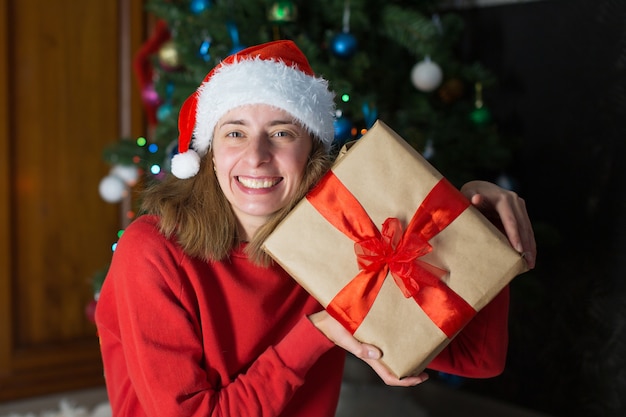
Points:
275	73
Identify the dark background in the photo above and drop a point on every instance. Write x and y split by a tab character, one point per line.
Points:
561	69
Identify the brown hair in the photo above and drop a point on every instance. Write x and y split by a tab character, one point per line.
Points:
197	212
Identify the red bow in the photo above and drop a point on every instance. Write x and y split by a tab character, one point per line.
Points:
399	255
395	252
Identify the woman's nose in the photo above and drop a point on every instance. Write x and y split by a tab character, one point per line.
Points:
259	150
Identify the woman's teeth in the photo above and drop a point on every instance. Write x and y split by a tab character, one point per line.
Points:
258	183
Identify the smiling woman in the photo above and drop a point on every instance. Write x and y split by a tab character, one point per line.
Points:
194	319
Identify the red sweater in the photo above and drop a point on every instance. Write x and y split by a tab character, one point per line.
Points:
183	337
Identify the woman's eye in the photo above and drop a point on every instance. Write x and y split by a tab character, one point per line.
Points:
234	135
284	134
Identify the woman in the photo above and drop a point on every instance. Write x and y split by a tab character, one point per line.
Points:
194	319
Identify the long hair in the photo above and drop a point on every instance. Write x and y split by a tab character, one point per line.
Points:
197	213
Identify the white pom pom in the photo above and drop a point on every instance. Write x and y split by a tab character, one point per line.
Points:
127	173
186	165
426	75
112	189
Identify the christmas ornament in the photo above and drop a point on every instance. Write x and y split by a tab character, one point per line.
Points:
282	12
198	6
370	114
480	116
166	109
451	90
149	96
343	129
112	189
169	58
129	174
426	75
234	37
203	51
344	44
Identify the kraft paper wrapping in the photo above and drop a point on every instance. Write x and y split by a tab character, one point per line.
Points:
390	179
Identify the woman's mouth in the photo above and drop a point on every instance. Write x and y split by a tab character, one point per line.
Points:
258	183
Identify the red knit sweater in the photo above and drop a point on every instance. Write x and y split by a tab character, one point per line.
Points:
183	337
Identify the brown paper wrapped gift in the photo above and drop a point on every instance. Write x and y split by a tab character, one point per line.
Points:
463	259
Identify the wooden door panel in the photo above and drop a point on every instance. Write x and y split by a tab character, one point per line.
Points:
65	110
61	67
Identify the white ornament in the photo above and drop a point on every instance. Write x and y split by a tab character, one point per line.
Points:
112	189
127	173
426	75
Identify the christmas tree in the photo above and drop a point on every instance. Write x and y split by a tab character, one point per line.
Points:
393	60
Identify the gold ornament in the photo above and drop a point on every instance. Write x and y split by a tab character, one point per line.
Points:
169	57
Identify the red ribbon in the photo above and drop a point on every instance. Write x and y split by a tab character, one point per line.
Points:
392	251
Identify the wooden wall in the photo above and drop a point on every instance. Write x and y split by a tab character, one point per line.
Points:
66	92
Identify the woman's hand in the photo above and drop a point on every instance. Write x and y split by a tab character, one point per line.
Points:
332	329
508	211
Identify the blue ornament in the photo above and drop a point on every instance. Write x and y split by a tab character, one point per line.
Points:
198	6
370	114
164	111
234	36
343	45
203	52
343	131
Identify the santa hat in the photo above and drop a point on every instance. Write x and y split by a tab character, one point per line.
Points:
275	73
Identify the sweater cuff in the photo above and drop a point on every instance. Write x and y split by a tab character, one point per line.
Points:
303	346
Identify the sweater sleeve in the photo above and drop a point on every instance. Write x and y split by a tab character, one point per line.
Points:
480	349
153	353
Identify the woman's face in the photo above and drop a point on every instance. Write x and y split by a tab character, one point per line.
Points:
260	154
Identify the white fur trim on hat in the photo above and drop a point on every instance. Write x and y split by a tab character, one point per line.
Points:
261	81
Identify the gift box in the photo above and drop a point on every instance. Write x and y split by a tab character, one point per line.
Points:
393	251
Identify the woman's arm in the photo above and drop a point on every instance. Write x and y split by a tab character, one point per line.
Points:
480	349
153	352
